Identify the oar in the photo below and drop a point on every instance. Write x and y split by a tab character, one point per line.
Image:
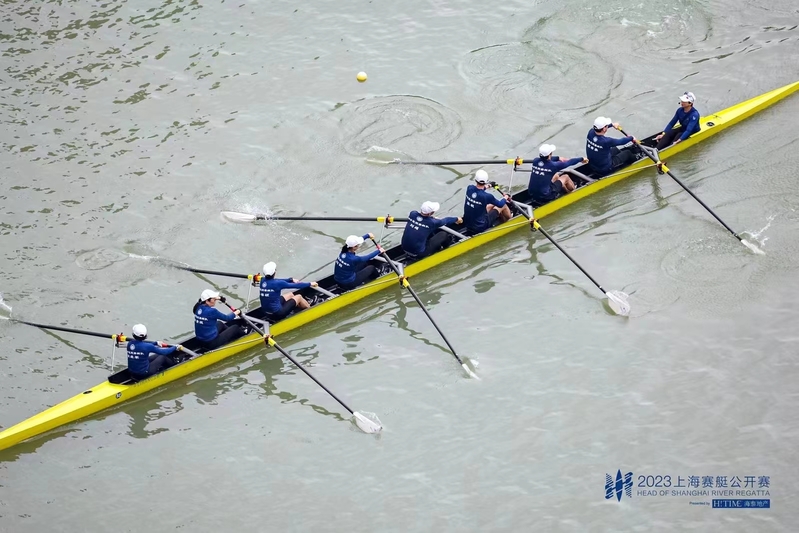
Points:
616	299
118	337
663	168
250	217
406	284
364	423
239	276
517	161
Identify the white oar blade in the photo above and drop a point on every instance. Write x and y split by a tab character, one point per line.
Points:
618	302
752	247
234	216
366	424
5	309
469	372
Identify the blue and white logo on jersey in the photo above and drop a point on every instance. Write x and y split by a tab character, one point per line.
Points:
343	256
540	163
418	219
200	311
132	346
474	195
596	138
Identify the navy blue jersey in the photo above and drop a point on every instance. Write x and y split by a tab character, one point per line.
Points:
540	186
598	150
205	318
270	292
474	209
688	121
139	355
348	263
419	229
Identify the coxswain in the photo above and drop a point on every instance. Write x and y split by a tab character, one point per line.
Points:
603	152
482	209
546	180
422	235
351	269
146	358
276	305
687	116
209	322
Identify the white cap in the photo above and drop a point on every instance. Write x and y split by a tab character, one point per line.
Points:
546	149
687	97
353	241
139	330
481	176
208	294
428	208
601	122
269	268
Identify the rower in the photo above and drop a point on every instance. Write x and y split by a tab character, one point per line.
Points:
482	209
209	326
546	182
603	153
422	236
276	305
687	116
351	269
147	358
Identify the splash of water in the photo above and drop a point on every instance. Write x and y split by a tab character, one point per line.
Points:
756	236
5	309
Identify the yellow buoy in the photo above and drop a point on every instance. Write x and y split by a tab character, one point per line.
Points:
361	77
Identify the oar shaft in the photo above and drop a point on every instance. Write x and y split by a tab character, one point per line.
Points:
271	342
448	163
342	219
215	272
564	252
686	189
407	285
69	330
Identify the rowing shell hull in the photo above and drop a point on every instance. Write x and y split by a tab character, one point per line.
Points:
107	395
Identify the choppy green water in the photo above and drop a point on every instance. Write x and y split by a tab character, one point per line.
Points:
128	126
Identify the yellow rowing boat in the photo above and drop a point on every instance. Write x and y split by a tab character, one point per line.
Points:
121	388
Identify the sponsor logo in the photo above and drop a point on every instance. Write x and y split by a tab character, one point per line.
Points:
119	395
622	485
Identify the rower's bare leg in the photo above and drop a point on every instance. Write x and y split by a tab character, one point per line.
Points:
567	182
302	303
504	213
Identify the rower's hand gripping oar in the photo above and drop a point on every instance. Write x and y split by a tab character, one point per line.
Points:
365	424
235	216
406	284
662	168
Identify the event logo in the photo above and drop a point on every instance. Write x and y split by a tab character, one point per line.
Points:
619	486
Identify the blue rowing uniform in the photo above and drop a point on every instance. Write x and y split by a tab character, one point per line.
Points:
205	318
270	292
475	215
348	263
419	229
139	355
598	150
541	187
689	122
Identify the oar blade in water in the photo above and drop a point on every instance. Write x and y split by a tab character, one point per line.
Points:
366	424
468	366
752	247
234	216
618	302
5	309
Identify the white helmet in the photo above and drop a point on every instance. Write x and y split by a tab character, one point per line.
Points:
602	123
481	176
270	268
208	294
546	150
428	208
353	241
139	331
